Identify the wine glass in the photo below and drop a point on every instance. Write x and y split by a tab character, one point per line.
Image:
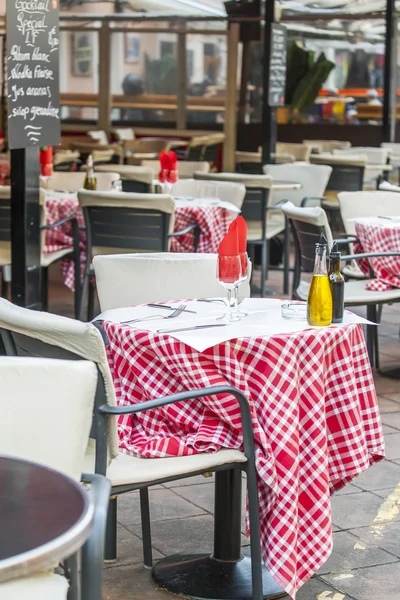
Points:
244	265
229	274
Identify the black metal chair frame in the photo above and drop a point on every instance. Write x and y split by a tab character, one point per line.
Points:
17	344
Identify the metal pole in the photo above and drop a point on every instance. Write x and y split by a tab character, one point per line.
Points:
104	118
388	70
230	124
393	112
269	127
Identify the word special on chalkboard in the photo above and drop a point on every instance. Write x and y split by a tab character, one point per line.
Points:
33	73
277	66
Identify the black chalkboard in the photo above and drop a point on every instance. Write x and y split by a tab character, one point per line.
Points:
277	66
33	73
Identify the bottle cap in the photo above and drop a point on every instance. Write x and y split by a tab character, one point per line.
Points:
322	241
334	253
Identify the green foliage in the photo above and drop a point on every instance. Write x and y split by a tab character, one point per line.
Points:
160	75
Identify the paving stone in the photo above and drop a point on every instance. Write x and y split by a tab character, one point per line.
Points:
381	475
395	396
348	489
196	480
201	495
388	430
391	419
349	553
386	405
355	510
385	385
129	549
384	493
385	535
316	589
392	446
374	583
131	583
164	504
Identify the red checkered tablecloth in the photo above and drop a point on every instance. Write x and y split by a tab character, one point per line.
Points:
213	221
315	417
379	237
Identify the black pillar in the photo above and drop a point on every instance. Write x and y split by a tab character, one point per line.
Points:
269	126
388	72
25	228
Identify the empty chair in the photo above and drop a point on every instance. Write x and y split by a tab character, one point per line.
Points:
347	174
72	182
212	150
313	179
186	168
99	135
375	157
224	190
55	397
65	160
394	156
301	152
124	133
248	162
42	334
328	145
195	148
263	222
135	179
162	276
306	225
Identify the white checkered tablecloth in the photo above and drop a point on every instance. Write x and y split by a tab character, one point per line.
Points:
214	222
379	237
315	416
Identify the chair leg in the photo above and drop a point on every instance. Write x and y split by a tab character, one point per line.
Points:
146	528
263	267
255	543
83	295
92	291
371	316
286	252
110	551
45	288
4	287
71	570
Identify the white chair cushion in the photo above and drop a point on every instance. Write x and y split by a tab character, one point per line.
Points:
126	469
99	135
355	293
224	190
44	586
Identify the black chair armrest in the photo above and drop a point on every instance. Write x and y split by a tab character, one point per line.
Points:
93	550
369	255
183	231
345	242
58	223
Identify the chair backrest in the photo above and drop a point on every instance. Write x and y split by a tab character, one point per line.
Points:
73	182
212	149
46	411
118	221
135	179
127	279
313	179
346	177
257	192
146	146
248	162
299	151
186	168
307	225
375	156
39	334
367	204
328	145
99	135
224	190
196	148
124	133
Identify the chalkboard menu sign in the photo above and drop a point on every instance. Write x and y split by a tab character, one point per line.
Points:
277	66
33	73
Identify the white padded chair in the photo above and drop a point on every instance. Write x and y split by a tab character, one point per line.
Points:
300	152
186	168
55	397
307	224
72	182
327	145
375	156
313	179
136	179
162	276
224	190
99	135
42	334
264	222
124	134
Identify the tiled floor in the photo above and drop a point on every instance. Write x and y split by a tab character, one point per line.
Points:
365	563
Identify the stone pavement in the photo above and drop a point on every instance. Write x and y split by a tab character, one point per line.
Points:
365	563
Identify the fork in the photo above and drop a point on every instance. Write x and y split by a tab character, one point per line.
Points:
174	314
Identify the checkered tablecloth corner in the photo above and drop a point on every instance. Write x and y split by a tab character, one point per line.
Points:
214	222
315	418
376	238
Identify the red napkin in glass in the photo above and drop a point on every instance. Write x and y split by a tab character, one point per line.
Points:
242	242
173	167
229	269
229	245
165	167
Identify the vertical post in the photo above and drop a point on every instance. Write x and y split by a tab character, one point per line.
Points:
268	125
25	228
230	123
105	104
393	102
182	82
388	70
244	79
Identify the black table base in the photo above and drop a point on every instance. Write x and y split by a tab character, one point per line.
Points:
201	576
224	574
392	373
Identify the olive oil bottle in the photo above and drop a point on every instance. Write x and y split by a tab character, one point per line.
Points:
90	182
319	304
336	281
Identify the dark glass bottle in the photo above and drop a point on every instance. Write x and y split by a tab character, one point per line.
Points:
336	281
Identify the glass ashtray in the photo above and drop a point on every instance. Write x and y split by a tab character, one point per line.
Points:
294	310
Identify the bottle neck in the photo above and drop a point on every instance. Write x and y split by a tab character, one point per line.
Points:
334	265
320	261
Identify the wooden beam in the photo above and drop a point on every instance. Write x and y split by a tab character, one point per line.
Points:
244	79
181	115
230	125
104	118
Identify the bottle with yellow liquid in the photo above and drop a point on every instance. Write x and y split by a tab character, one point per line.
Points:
319	303
90	182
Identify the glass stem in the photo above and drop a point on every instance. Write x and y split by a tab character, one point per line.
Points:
229	303
235	299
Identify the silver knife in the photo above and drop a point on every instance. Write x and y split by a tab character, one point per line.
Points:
191	328
193	312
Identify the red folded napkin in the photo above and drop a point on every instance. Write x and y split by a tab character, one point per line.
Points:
242	233
229	245
229	266
173	167
164	167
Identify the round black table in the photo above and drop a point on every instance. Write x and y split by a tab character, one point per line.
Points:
44	517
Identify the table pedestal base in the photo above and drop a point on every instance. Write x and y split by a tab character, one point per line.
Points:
392	373
201	576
